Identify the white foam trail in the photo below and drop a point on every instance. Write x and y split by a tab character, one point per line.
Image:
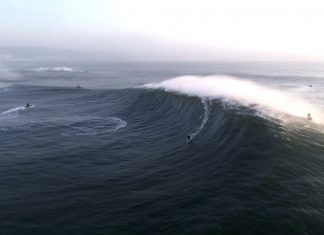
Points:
13	110
94	126
243	91
120	123
16	110
204	121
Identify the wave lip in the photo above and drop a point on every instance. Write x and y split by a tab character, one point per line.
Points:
243	91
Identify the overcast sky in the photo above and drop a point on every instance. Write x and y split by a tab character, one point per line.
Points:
179	29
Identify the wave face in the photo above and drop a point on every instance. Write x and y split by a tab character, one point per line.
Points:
118	160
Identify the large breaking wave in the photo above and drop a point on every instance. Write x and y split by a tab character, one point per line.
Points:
238	163
268	100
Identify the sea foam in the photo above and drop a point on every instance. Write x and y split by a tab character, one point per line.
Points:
56	69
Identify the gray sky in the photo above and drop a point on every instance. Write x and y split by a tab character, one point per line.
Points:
170	29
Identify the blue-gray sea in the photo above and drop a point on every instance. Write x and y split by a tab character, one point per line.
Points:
102	149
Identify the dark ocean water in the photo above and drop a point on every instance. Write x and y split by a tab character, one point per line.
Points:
111	157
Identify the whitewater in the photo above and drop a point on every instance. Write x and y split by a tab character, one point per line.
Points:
243	91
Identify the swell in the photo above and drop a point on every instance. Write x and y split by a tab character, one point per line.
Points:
161	116
59	111
230	126
238	162
230	141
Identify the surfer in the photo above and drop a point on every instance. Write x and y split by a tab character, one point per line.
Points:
188	138
28	105
309	117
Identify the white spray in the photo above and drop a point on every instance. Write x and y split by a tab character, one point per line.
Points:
243	91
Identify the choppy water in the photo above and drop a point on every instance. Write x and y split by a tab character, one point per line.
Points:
111	157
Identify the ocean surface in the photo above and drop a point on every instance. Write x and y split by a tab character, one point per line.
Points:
103	148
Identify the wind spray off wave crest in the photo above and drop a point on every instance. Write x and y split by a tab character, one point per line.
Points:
242	91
